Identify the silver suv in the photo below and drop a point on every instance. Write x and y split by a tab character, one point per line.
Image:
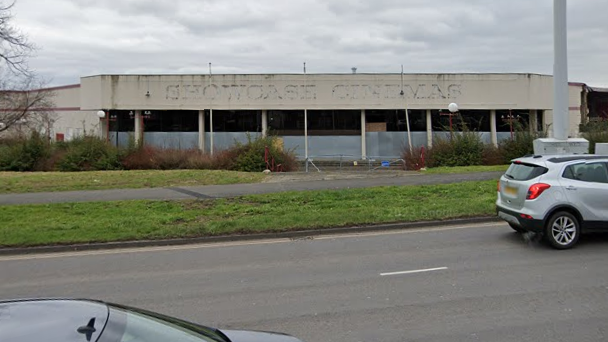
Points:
557	196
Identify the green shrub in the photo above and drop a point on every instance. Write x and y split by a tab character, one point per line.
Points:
595	132
250	157
522	144
492	155
461	149
26	154
594	126
89	153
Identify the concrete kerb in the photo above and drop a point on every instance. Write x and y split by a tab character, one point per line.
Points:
296	234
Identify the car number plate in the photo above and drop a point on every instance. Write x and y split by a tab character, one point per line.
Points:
511	191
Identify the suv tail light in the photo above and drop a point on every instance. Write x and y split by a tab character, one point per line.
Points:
536	190
498	186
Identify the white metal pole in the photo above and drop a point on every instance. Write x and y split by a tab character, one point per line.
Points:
560	71
211	147
306	134
363	133
409	133
305	116
493	134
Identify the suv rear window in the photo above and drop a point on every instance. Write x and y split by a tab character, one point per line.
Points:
524	172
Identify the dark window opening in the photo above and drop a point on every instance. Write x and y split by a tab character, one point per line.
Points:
476	120
334	122
170	120
286	122
540	121
320	122
473	120
518	119
395	120
122	121
598	105
234	121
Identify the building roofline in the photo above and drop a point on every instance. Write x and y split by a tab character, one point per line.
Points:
334	74
577	84
68	86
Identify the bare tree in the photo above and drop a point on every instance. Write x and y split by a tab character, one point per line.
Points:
23	99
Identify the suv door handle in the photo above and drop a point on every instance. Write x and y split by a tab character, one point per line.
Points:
572	188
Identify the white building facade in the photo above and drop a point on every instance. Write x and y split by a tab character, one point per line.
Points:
358	115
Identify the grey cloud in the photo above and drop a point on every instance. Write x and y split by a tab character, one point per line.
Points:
82	37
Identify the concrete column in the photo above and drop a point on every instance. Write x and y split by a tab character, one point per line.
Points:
211	131
429	128
139	127
363	131
533	120
201	130
493	127
103	128
264	122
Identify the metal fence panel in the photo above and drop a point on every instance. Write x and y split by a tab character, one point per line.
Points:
173	140
224	140
391	143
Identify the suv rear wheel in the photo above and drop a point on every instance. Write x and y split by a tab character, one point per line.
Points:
562	230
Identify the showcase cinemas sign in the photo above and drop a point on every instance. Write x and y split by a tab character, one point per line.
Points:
260	92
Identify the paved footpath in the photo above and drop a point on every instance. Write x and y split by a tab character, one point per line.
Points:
223	191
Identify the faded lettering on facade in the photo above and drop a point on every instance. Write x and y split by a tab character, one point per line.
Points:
291	92
255	92
393	91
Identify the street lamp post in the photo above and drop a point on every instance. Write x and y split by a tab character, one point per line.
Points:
102	114
510	118
407	115
453	111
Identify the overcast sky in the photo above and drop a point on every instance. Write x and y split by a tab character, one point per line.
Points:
89	37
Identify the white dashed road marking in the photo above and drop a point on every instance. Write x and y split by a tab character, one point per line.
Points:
414	271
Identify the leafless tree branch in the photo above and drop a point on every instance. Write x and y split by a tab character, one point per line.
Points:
23	99
15	48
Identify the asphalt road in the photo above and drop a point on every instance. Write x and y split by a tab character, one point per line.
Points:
219	191
488	284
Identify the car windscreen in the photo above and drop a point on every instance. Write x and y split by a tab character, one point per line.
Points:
523	172
51	320
134	325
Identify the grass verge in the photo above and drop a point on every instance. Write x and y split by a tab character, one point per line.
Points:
20	182
465	169
135	220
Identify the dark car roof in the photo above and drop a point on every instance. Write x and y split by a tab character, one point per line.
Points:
50	320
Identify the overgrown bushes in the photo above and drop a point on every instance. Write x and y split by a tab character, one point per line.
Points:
466	148
595	132
461	149
253	155
91	153
24	154
87	154
522	144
